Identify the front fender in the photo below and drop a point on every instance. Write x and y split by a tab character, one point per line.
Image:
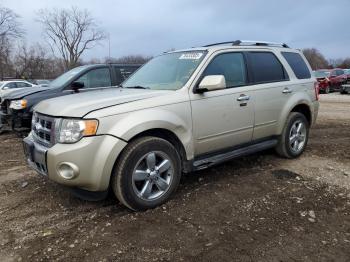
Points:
128	125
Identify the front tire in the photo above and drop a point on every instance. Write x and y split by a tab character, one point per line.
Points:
147	173
294	137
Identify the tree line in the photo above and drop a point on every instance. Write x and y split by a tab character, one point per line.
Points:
67	34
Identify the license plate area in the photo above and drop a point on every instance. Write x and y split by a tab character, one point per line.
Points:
35	155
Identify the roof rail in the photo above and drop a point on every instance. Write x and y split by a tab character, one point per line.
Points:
248	42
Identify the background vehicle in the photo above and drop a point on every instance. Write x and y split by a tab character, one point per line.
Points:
8	86
322	77
331	80
337	78
42	82
16	107
183	111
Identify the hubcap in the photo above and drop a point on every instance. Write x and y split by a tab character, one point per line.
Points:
297	136
152	175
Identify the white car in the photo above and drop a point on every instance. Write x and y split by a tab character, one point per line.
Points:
9	86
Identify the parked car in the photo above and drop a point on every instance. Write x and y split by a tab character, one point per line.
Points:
347	73
322	77
16	107
337	78
183	111
331	80
42	82
9	86
345	88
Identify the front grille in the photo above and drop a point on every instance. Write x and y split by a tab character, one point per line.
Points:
43	129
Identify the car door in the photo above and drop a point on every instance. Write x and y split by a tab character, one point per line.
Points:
223	118
271	91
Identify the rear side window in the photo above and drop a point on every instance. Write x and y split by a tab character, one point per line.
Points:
297	64
231	66
123	73
22	84
266	67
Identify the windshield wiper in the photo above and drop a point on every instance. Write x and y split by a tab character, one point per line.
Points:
137	87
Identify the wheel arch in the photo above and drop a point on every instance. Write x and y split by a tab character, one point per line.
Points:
167	135
305	110
297	104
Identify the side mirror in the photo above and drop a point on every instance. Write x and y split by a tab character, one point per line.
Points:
77	85
5	88
213	82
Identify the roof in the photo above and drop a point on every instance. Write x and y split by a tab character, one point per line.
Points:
237	44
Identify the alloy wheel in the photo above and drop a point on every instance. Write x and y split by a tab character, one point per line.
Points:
297	136
152	175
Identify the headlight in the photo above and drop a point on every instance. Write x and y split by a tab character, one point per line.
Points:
18	104
72	130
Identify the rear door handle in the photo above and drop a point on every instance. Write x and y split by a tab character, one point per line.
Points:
243	98
287	90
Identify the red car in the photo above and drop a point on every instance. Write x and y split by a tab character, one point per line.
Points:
330	80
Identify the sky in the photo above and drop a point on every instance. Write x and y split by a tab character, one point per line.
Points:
150	27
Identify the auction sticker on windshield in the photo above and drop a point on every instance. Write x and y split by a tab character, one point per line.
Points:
192	55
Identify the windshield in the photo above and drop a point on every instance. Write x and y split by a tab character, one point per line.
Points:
63	79
166	72
319	74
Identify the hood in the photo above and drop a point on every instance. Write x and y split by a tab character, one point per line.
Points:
20	93
78	105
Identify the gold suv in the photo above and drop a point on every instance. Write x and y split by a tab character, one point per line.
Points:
183	111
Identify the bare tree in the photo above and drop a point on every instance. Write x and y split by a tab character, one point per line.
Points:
34	62
130	59
70	32
10	27
315	58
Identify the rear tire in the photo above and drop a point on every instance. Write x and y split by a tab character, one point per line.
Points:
147	173
294	137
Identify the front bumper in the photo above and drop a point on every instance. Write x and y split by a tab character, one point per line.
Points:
94	156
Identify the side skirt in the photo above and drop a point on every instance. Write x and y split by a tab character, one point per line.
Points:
222	157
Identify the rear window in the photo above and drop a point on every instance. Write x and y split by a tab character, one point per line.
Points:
123	73
297	64
266	67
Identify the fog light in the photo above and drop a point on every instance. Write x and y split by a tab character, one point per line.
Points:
68	170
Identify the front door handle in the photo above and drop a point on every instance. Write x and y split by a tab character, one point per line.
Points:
287	90
243	98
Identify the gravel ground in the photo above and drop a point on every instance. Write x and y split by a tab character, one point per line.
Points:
257	208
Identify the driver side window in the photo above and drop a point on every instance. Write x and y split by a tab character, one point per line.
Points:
96	78
231	66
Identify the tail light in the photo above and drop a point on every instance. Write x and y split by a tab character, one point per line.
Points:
317	90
